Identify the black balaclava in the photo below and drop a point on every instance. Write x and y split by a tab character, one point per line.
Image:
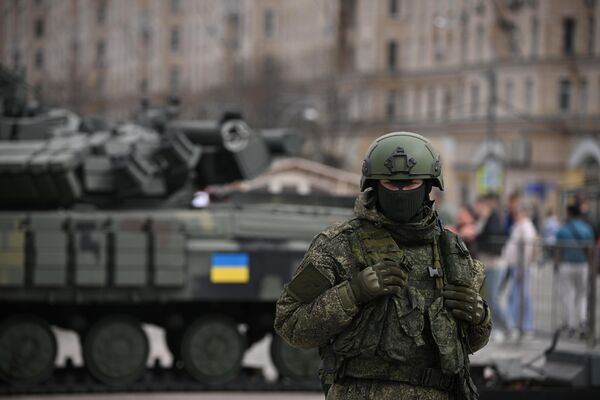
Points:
403	206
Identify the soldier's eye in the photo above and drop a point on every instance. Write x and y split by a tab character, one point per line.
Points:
390	185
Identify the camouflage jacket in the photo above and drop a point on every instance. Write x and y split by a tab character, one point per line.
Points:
322	315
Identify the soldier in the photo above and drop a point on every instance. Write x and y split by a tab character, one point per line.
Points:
390	298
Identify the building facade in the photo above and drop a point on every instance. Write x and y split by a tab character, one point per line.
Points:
509	90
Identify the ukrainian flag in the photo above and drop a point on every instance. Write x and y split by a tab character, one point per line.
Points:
230	268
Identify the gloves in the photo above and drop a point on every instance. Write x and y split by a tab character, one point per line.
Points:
464	303
380	279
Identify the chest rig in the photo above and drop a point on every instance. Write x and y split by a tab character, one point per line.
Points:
410	337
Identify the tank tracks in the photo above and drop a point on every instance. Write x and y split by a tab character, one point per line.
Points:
70	379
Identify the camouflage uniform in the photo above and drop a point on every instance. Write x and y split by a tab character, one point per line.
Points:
405	345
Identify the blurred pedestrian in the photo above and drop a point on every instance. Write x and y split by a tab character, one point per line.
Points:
490	239
467	229
583	203
574	238
514	200
518	253
550	228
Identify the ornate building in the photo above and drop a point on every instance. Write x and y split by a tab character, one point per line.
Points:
508	89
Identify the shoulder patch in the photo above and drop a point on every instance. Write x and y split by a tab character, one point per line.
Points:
308	284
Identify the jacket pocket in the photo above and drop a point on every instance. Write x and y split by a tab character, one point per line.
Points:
457	260
445	335
403	331
362	336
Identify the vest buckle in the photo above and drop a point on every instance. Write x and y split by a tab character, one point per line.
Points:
435	272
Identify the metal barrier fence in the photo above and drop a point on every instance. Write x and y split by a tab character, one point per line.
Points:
535	280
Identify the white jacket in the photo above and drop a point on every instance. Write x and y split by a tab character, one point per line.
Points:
522	232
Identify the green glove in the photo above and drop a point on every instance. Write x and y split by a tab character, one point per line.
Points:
464	303
380	279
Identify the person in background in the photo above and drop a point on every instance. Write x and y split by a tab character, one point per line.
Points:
490	239
467	229
550	228
583	203
518	254
573	238
513	202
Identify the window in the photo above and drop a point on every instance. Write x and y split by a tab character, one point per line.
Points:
144	85
39	28
100	83
268	65
510	94
417	103
535	36
100	53
392	55
39	58
174	79
447	103
564	95
18	5
38	90
145	28
568	36
146	34
394	8
175	6
464	39
479	41
16	57
459	101
175	39
515	36
400	104
438	47
583	96
529	94
591	34
474	104
233	31
101	12
431	102
268	23
390	107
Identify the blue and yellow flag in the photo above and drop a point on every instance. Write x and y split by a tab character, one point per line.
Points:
230	268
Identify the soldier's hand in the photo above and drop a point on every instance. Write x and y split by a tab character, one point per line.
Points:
380	279
464	303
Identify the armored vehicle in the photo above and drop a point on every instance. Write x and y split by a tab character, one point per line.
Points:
97	236
208	277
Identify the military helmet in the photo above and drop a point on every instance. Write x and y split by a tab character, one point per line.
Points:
402	155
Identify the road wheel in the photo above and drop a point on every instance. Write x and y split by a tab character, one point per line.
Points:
115	350
212	349
27	350
293	363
